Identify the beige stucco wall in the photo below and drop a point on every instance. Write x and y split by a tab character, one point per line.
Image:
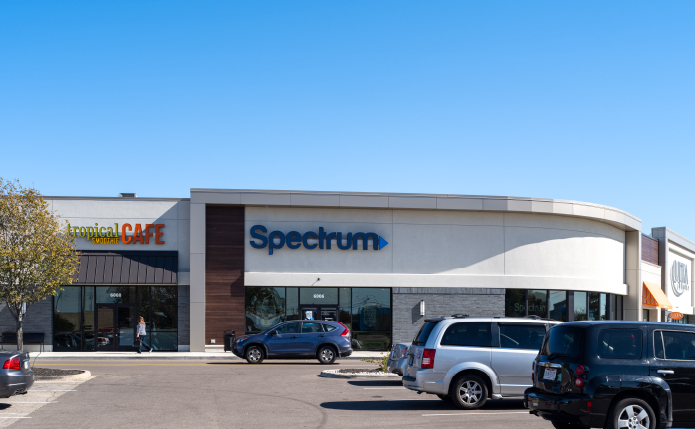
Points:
443	249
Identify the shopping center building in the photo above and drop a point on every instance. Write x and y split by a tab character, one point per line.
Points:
380	263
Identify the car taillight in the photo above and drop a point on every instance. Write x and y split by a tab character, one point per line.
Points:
580	370
579	382
588	407
404	353
346	332
428	359
11	364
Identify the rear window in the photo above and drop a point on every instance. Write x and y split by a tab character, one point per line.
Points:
527	336
620	344
329	328
471	334
563	341
424	333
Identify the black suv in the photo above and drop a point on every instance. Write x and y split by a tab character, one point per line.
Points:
630	375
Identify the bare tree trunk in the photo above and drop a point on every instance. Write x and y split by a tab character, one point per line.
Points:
20	333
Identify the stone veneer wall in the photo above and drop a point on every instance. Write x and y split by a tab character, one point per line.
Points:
39	318
184	318
475	302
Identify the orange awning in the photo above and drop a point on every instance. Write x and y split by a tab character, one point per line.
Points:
653	296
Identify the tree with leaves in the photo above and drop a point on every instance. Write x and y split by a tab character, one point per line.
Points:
37	255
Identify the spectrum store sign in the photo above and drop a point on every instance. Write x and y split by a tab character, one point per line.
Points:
311	240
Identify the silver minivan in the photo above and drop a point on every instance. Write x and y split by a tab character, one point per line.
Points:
469	360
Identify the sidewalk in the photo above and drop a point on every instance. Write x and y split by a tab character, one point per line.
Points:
46	356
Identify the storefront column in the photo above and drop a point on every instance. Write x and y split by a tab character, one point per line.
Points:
632	303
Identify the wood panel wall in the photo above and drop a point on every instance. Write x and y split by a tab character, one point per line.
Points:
650	250
224	271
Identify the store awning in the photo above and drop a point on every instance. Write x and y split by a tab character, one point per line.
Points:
134	267
653	296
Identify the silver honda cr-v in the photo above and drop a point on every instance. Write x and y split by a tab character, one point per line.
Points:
469	360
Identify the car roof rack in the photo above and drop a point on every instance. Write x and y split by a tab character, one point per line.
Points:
460	316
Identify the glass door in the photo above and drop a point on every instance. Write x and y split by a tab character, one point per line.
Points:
125	328
106	327
329	314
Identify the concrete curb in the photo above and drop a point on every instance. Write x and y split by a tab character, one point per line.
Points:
333	373
84	376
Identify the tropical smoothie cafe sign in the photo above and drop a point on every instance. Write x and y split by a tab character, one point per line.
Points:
311	240
126	234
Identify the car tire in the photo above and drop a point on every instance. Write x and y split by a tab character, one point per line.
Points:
326	355
626	409
254	355
445	398
468	392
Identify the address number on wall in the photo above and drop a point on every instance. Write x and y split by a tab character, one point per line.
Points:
318	295
116	295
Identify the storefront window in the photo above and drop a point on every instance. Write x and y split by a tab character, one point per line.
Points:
557	303
580	306
265	307
603	309
371	340
538	303
292	303
115	294
88	314
371	309
594	306
345	316
515	303
67	314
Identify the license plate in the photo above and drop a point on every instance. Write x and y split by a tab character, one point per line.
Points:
550	374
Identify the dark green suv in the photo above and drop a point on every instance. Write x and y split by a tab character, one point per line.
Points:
633	375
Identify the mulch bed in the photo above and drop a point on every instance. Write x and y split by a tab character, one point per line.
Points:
49	372
360	371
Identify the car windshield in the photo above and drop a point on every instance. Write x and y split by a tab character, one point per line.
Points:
424	333
562	341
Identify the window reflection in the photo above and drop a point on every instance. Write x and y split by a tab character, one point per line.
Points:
538	303
515	303
371	309
557	303
580	306
265	307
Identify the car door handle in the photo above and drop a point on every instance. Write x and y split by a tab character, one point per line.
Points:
665	371
294	336
321	335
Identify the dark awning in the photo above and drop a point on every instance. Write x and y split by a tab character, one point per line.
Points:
113	268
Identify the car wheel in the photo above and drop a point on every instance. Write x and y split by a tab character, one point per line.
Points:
254	354
326	355
631	413
445	398
468	392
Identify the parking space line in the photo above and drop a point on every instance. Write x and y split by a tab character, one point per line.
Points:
53	390
18	417
467	414
22	402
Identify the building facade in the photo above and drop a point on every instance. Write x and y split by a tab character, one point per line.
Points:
245	260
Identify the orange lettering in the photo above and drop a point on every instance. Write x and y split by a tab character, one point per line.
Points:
126	239
137	235
158	234
148	234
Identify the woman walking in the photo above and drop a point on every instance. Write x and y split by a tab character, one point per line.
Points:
141	335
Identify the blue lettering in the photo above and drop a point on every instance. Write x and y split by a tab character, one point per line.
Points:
365	237
257	236
329	238
307	236
348	245
294	240
322	237
271	241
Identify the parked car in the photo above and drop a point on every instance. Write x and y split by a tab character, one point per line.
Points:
16	376
615	375
325	341
469	360
398	359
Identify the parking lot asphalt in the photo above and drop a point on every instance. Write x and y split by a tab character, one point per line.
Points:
216	394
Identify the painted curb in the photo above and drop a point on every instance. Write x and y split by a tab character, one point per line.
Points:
333	373
84	376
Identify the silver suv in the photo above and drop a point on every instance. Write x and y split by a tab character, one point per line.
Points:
468	360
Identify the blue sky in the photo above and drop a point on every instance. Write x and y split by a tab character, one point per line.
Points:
588	101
